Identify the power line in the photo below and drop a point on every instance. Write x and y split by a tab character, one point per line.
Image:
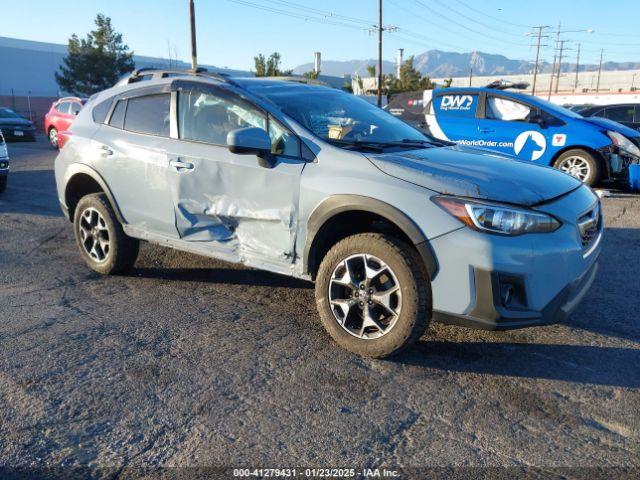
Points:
295	15
475	20
489	16
461	25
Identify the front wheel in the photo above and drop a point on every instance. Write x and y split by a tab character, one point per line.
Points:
53	137
373	295
580	164
103	244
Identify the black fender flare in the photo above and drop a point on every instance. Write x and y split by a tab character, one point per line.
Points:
337	204
82	169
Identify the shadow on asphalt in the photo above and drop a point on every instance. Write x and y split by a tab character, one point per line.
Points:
570	363
31	192
255	278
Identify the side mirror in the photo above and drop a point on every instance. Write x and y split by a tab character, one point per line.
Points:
251	141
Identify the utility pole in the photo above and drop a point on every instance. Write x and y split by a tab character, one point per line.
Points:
559	64
192	18
553	68
539	37
471	75
599	71
379	53
575	86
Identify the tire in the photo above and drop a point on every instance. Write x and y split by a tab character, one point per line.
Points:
3	183
103	244
53	137
411	301
580	164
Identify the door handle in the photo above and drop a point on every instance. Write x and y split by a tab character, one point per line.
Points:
181	166
487	130
106	151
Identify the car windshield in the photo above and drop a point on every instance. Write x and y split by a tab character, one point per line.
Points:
7	113
343	118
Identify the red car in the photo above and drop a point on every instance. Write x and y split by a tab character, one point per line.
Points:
60	117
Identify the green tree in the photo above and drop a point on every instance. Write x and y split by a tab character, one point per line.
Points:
447	82
371	69
96	62
409	76
269	67
311	75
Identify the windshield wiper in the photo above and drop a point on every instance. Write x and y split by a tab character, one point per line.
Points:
380	146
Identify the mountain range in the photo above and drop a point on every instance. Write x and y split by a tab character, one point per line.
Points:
440	64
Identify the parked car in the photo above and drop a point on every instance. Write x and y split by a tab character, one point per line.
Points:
4	164
60	117
627	114
532	129
395	227
409	107
15	127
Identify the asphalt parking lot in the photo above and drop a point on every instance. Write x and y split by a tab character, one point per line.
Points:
191	362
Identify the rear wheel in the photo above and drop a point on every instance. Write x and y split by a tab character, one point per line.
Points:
373	296
53	137
580	164
3	183
103	244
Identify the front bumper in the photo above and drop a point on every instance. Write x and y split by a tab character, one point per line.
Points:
489	314
499	282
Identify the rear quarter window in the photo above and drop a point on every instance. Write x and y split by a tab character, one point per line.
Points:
456	105
99	112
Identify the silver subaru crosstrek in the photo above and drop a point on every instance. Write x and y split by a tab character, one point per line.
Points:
394	227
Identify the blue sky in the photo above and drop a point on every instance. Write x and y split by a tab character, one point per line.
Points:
231	32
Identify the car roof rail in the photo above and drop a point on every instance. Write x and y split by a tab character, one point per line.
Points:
139	74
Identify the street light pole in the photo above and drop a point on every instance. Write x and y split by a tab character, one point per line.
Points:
575	86
379	53
599	71
559	65
192	18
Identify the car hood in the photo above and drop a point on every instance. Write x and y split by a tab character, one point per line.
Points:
23	122
611	125
474	173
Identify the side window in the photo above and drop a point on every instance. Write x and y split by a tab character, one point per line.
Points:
507	110
99	112
283	142
637	115
75	108
62	107
117	117
620	114
208	117
456	105
149	114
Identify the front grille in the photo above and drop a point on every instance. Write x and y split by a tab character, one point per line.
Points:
589	226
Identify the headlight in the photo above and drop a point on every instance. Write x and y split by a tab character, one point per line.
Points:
497	218
623	143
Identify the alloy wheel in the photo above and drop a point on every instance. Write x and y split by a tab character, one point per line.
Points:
576	167
365	296
53	137
94	235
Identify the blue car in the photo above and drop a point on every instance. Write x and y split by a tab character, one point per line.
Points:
532	129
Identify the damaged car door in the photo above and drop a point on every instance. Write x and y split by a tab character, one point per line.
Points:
247	211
